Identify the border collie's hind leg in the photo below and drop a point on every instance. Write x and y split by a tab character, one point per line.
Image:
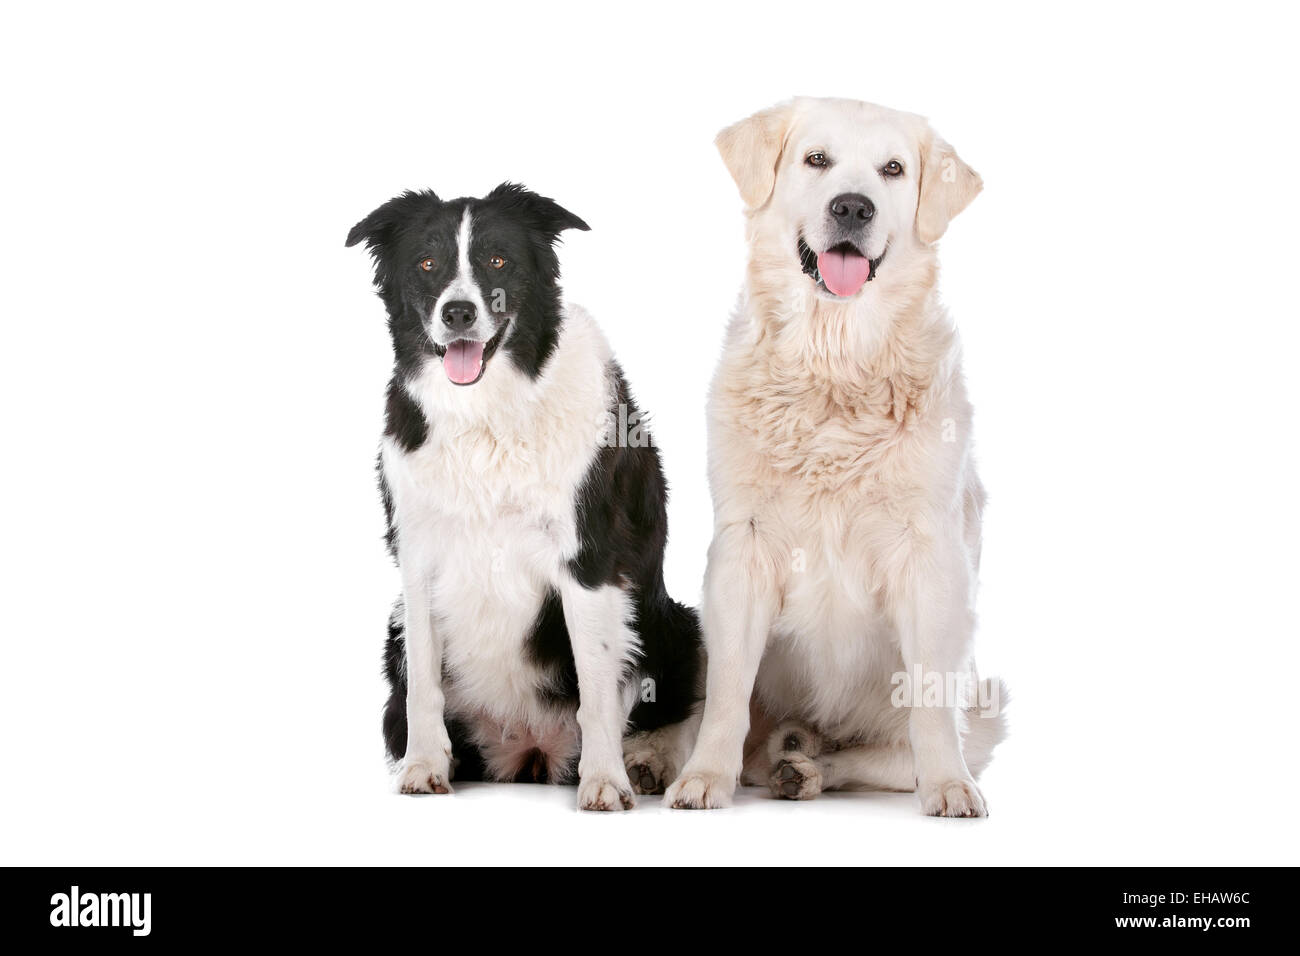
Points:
395	671
654	757
667	716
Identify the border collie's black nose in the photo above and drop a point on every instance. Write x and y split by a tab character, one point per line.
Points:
851	209
459	315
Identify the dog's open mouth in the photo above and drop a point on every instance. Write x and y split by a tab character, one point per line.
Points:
465	360
841	270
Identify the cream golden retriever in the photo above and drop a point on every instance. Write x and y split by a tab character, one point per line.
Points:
839	596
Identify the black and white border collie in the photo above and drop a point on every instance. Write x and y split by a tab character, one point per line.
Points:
534	632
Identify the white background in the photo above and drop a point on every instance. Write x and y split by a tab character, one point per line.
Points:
193	365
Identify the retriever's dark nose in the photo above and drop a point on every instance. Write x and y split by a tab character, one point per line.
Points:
852	209
459	315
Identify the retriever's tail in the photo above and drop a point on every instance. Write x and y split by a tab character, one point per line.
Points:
986	725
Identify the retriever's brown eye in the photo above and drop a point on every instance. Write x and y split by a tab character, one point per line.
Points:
817	158
427	265
892	168
496	262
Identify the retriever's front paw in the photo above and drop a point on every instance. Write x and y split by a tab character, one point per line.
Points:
701	790
424	776
604	791
952	798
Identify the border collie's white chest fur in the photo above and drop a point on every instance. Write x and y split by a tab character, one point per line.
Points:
487	508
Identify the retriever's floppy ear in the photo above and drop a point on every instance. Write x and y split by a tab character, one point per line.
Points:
377	228
947	187
752	148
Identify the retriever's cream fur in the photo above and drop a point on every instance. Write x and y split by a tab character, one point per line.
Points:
847	507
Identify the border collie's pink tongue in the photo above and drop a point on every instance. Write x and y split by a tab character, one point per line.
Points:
463	362
844	273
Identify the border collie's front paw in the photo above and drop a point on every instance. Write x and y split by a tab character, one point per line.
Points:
701	790
602	791
420	776
952	798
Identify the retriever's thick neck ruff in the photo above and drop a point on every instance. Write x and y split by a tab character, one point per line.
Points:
831	386
886	348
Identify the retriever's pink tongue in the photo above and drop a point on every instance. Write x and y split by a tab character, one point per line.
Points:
844	273
463	361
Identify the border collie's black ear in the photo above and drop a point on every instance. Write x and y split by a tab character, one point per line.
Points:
543	213
377	228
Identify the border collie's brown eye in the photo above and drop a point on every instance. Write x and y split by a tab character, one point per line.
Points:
892	168
817	158
496	262
427	265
